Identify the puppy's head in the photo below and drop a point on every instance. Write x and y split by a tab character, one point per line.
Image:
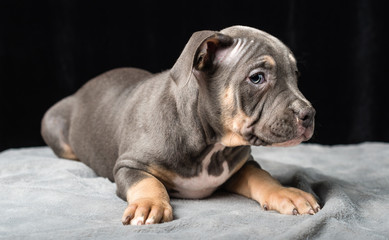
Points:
249	81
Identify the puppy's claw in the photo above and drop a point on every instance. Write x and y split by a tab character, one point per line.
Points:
126	221
138	221
295	212
265	207
311	212
150	221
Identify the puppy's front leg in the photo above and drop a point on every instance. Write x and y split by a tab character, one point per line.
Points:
147	198
255	183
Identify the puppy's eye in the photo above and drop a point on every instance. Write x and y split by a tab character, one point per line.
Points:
258	78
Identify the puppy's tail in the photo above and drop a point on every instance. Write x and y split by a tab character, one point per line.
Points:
55	128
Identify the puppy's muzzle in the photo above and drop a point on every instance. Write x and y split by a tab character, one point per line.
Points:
305	121
293	126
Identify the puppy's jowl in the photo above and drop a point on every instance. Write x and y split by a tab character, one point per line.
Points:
187	131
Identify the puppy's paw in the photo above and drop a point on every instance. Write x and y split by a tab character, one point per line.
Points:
147	211
290	201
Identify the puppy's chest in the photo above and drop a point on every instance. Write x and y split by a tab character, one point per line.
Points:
215	168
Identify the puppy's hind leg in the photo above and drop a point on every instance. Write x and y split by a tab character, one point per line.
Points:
55	128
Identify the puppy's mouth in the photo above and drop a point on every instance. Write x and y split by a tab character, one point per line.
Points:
292	142
302	135
255	140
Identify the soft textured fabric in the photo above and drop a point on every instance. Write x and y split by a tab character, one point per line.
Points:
44	197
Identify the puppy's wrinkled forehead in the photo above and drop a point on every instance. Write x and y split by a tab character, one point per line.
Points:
246	39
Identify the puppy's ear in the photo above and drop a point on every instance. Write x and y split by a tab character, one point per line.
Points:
198	54
206	53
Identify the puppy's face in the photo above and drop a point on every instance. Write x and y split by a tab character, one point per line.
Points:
259	101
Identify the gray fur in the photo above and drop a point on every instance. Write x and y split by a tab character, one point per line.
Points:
127	121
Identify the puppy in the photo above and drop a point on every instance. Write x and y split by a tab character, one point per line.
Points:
187	131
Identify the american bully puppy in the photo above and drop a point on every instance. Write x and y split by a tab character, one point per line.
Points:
187	131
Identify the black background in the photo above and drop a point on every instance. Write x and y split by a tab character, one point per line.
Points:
48	49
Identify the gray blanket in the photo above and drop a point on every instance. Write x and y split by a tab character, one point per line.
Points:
43	197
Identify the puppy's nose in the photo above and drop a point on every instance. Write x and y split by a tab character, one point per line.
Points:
306	116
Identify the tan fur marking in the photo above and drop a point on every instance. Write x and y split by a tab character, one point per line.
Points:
163	175
232	139
68	153
270	63
232	123
228	98
149	188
